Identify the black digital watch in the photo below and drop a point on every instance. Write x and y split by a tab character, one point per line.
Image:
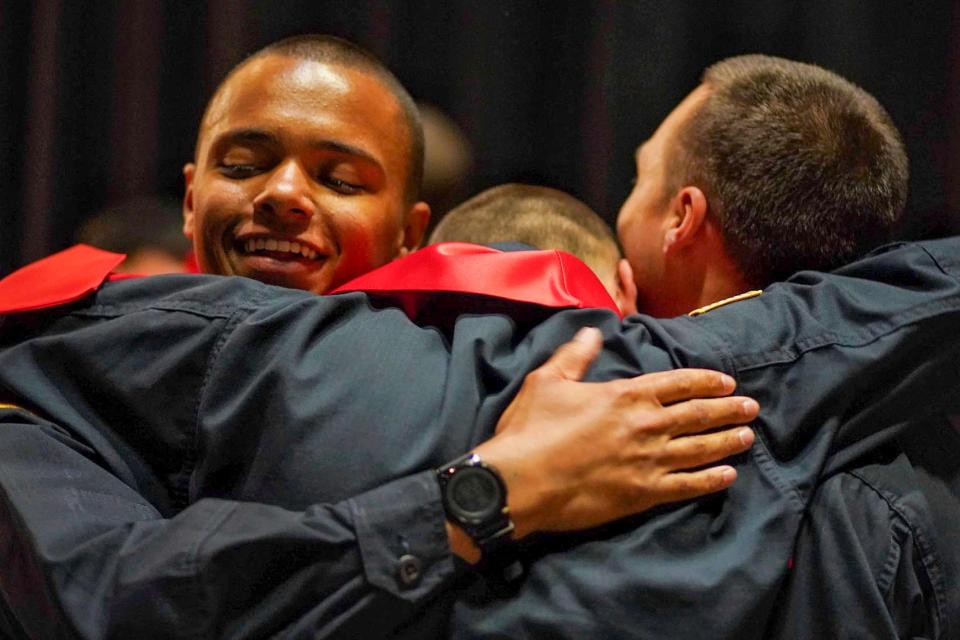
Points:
475	498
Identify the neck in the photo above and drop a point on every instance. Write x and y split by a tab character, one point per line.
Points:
700	275
720	282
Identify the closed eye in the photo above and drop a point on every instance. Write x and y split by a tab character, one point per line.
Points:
342	186
238	171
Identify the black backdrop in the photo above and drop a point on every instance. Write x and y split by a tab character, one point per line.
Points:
100	100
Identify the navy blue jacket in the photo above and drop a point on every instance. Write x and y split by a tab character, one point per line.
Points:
878	555
198	456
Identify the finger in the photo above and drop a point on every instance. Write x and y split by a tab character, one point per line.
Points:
695	451
694	416
683	384
673	487
572	360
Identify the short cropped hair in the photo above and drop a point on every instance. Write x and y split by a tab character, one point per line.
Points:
540	217
337	51
803	169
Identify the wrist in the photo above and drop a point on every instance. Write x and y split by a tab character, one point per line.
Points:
478	517
523	499
461	544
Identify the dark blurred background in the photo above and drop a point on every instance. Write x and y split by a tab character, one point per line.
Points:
99	101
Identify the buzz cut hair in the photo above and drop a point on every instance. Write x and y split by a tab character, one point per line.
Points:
332	50
540	217
802	168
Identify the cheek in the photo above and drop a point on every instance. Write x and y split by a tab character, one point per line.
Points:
219	204
368	239
640	243
630	211
628	227
217	209
379	223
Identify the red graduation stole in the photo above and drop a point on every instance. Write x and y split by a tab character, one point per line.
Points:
62	278
477	279
451	277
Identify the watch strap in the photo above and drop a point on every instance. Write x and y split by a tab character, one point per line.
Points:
494	537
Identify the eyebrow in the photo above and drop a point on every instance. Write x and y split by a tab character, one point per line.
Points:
264	137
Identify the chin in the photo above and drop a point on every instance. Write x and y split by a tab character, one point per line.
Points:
279	280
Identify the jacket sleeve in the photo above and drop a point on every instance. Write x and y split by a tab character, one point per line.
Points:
174	479
863	565
880	540
86	556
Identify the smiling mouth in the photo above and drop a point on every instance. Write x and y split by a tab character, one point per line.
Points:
278	249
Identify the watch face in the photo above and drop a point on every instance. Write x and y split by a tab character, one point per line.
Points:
474	494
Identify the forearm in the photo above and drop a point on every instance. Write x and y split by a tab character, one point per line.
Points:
92	559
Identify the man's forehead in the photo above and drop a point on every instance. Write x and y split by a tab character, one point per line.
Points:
645	153
668	127
687	107
638	153
354	104
268	138
283	80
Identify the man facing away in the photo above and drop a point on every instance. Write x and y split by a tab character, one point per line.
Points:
768	167
707	218
791	167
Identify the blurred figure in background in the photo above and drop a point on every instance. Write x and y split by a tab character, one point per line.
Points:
146	228
447	162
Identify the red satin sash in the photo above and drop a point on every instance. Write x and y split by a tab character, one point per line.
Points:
470	273
547	278
61	278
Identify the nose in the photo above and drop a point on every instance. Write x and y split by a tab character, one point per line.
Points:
287	193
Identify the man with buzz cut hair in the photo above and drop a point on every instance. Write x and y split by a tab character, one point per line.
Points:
542	218
331	50
307	168
787	150
767	168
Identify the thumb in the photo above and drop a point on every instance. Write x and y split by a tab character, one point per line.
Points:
572	360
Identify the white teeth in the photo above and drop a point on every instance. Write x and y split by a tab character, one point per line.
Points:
269	244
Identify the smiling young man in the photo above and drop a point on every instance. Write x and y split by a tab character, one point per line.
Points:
308	167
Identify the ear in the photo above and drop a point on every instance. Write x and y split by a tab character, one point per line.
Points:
416	223
189	170
626	297
686	219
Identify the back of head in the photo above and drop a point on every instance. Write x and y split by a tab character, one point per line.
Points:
540	217
803	169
